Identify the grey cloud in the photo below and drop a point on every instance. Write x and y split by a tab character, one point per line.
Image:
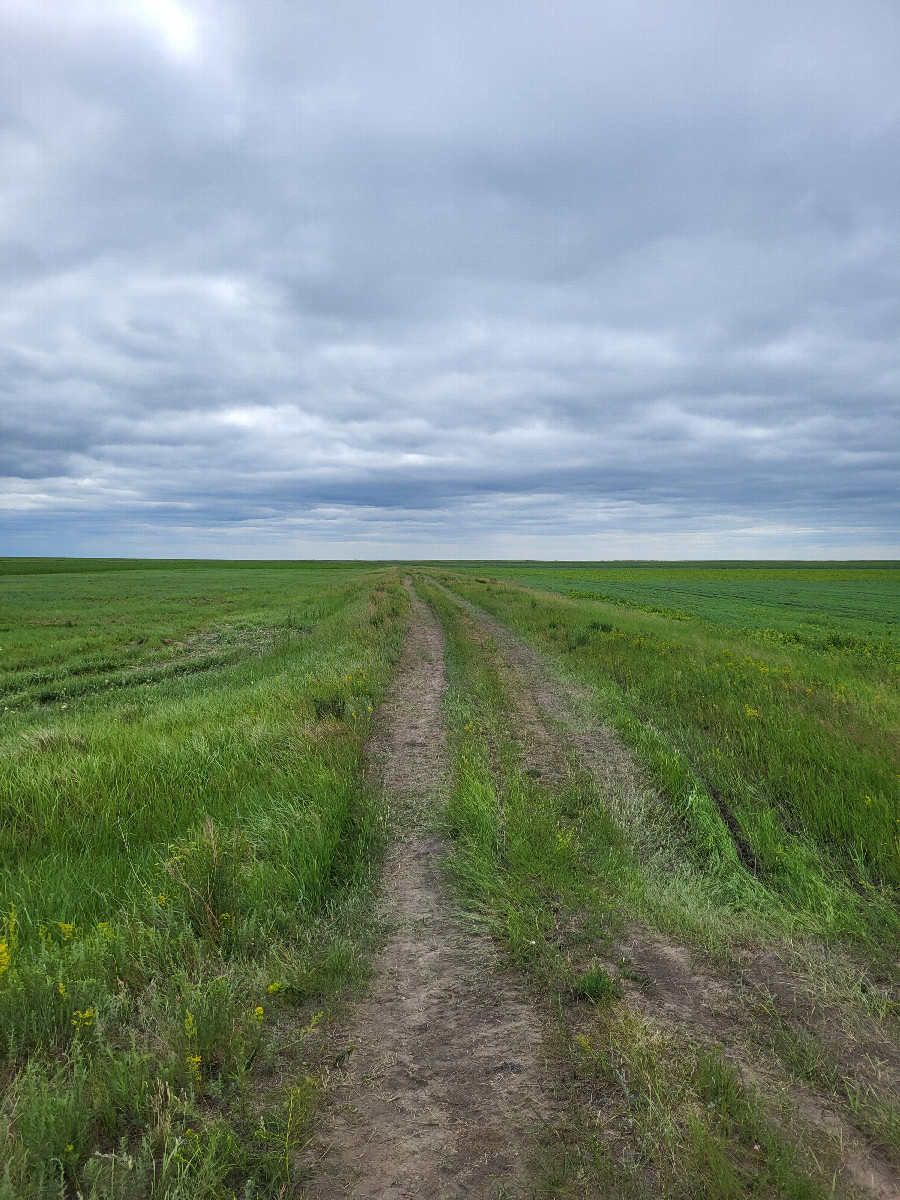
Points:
398	275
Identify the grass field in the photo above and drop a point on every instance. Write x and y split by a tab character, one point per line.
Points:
187	839
826	606
189	842
779	756
769	835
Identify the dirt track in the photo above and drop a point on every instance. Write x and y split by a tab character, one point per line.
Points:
444	1082
444	1079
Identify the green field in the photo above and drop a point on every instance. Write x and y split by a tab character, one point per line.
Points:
188	840
767	840
776	749
820	605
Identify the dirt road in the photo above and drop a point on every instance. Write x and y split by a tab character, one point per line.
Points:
444	1080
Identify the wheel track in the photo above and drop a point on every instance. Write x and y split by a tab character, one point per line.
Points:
444	1081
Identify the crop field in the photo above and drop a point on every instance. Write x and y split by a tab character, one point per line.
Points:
666	796
850	605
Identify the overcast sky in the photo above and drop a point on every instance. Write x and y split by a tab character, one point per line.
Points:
547	279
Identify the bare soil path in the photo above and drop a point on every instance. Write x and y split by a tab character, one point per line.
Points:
444	1080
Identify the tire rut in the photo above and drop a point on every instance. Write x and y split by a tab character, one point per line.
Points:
444	1082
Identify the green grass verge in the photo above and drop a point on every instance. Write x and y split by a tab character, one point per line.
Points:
551	874
780	768
185	873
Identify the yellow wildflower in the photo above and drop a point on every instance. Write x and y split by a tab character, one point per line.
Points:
259	1014
4	956
66	928
62	990
190	1025
85	1019
751	712
317	1017
274	987
161	900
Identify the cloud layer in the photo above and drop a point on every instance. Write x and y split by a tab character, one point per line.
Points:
577	280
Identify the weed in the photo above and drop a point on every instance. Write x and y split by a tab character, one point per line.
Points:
597	985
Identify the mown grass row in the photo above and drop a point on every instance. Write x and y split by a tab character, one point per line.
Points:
185	886
551	873
74	634
781	770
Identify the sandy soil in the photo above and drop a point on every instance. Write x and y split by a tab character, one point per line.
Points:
444	1080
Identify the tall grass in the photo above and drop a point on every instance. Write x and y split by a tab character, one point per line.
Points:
549	871
184	874
779	766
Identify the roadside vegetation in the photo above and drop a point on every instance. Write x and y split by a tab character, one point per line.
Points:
779	764
674	801
188	847
765	841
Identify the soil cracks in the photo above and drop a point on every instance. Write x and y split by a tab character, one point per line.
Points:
444	1079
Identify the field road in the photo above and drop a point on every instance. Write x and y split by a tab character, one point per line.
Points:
445	1078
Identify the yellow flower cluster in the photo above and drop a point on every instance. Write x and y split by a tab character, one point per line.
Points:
564	839
7	944
85	1019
